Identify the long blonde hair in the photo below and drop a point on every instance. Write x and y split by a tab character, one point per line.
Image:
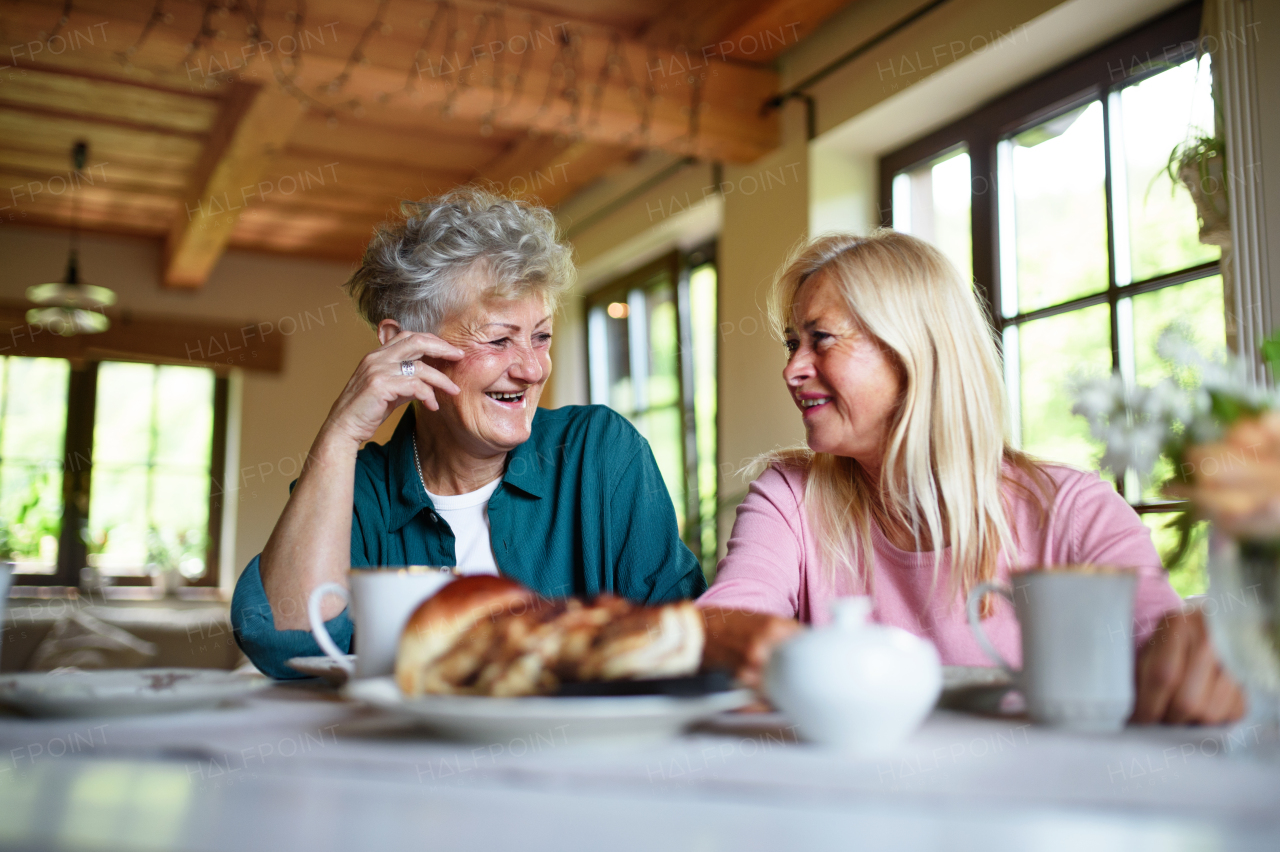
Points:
943	471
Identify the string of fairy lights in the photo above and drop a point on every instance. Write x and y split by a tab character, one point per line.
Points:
570	87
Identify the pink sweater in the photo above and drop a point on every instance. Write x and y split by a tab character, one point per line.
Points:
773	564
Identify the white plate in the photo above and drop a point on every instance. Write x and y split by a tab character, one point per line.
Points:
323	667
122	692
562	720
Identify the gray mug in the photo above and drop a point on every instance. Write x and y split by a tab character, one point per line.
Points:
1077	644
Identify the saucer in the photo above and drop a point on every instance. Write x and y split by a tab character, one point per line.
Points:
323	667
123	692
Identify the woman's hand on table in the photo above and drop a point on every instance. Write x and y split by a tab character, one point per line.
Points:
1179	678
742	641
378	387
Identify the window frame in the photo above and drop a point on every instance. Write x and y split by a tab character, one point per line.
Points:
159	340
1147	50
77	485
677	266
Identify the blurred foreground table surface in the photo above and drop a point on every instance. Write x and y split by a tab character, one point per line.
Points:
296	768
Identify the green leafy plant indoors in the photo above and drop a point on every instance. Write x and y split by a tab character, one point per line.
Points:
1200	149
21	536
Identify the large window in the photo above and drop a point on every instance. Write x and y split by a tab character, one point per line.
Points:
1056	199
152	450
110	465
651	340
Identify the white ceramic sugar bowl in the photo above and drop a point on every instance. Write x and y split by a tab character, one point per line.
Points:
855	685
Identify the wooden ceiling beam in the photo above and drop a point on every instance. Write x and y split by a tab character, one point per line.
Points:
107	142
691	25
57	177
397	147
515	170
364	174
116	224
106	100
547	171
704	107
774	28
43	164
136	211
57	112
252	127
755	31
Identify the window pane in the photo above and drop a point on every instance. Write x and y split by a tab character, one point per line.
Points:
118	520
122	420
35	409
181	518
152	439
702	300
618	353
662	428
1057	224
663	374
184	416
1049	351
1198	307
933	202
33	417
1191	578
1154	116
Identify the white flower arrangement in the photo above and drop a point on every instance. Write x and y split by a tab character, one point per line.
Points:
1184	416
1194	405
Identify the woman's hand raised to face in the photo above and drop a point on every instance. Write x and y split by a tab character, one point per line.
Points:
1180	681
379	385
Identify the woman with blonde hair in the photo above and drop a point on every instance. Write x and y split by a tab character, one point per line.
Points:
909	489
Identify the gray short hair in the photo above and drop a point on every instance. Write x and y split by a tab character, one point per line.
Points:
413	268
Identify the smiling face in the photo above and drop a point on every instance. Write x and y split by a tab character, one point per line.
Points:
843	380
506	362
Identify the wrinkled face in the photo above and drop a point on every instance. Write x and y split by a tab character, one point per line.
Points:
506	362
843	380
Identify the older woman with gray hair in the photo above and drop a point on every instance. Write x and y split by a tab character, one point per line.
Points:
462	294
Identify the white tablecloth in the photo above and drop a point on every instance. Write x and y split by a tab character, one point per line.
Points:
296	768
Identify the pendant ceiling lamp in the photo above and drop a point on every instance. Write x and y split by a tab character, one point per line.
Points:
70	306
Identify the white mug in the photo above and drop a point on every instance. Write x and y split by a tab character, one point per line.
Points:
381	601
1077	644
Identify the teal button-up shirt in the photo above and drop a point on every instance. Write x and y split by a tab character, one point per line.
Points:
582	509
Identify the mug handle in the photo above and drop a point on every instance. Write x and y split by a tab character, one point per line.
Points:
319	631
975	622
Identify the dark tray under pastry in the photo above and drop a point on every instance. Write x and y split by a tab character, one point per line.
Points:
703	683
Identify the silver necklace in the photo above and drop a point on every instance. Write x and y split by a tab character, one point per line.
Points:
417	463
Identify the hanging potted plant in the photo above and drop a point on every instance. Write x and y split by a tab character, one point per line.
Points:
1199	164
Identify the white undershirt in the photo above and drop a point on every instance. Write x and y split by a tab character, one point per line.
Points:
468	516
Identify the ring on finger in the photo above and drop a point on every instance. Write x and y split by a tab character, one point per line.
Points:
406	368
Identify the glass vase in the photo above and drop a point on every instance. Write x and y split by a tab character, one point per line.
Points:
1243	614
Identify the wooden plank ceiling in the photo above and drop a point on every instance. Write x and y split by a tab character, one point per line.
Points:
297	125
